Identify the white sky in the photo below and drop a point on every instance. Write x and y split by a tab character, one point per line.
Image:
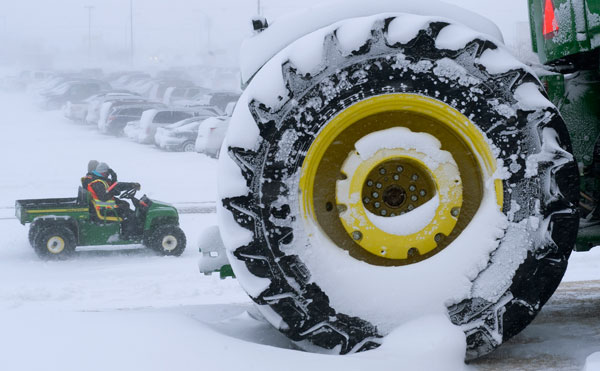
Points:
55	32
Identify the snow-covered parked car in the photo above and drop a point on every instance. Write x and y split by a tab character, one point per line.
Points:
78	110
218	99
180	136
152	119
126	80
178	96
98	110
120	113
211	132
77	90
159	90
132	129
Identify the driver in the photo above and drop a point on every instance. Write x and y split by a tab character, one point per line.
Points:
103	197
90	176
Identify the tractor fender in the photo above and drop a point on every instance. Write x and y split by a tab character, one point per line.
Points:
261	47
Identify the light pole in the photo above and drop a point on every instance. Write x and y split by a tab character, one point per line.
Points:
131	31
89	8
207	26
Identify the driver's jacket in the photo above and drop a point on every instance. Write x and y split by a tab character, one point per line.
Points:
103	199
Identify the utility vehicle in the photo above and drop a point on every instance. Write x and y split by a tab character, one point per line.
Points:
59	225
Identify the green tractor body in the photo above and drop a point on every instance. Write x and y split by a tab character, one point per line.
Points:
563	29
566	35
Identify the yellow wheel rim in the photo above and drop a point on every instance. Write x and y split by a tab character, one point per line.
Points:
396	186
326	168
55	244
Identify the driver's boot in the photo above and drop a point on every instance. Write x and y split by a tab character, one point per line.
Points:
128	228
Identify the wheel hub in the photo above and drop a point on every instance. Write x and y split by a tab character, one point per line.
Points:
169	243
396	187
55	245
407	196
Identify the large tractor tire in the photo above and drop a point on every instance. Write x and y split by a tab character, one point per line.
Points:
390	167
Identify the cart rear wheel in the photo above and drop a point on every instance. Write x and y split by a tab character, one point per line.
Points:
54	242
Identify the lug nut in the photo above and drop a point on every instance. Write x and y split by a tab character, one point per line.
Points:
378	185
375	194
382	171
396	177
415	177
377	204
366	200
370	183
383	212
400	169
455	211
356	235
414	198
412	188
422	193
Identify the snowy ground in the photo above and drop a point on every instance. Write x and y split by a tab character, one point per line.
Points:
128	309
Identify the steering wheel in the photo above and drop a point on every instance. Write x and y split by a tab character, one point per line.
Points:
130	193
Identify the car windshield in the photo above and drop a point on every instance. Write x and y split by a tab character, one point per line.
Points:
61	89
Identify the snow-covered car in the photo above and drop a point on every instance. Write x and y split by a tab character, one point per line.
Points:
132	129
121	113
180	136
71	91
153	119
172	74
159	89
182	96
95	107
143	87
125	80
211	134
77	110
219	99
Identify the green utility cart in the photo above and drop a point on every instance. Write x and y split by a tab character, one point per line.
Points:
59	225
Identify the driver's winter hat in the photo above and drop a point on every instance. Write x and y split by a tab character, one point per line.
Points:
92	165
102	168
